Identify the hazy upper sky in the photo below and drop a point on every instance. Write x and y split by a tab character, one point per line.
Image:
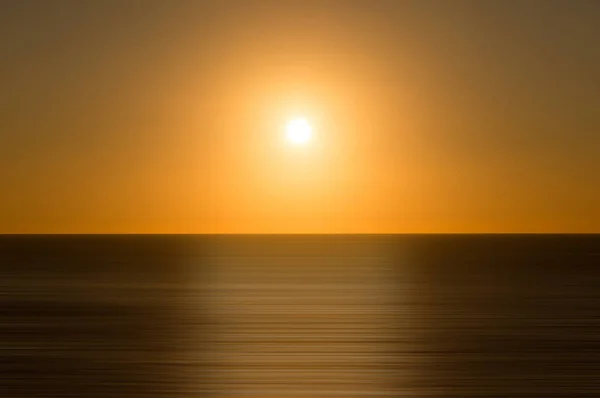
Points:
431	116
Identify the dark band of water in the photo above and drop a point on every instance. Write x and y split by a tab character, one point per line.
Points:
300	316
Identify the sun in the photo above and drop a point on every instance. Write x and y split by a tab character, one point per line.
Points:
298	131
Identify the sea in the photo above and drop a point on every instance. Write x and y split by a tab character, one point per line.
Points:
257	316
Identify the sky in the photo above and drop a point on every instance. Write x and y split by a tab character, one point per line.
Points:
144	116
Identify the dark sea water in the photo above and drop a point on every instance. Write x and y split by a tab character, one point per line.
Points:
300	316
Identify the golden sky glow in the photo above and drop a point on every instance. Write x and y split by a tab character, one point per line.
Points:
176	118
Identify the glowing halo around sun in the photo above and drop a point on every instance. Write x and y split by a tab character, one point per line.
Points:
298	131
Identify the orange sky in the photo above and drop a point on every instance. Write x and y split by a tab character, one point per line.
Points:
168	118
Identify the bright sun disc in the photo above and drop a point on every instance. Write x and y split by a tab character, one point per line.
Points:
298	131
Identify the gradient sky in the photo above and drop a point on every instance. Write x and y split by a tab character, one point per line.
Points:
143	116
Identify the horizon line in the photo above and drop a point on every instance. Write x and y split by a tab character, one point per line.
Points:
287	233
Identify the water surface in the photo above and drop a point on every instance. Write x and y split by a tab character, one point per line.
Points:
300	316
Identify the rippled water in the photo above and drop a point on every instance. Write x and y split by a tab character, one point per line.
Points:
300	316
